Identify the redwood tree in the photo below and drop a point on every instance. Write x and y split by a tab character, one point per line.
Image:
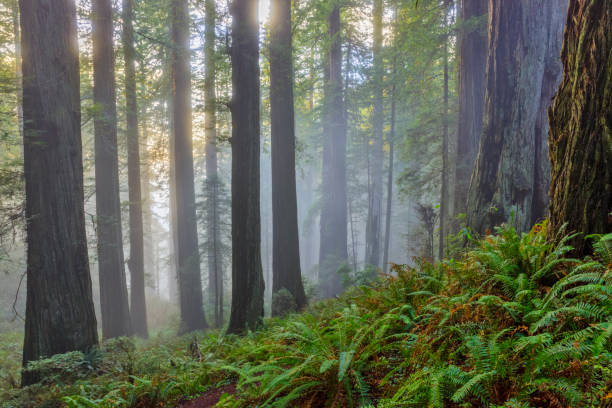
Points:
187	255
136	261
522	70
60	313
113	289
247	275
580	135
285	235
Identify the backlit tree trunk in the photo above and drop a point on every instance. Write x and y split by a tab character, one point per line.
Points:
286	246
247	276
333	244
136	261
523	65
580	135
113	289
60	313
188	255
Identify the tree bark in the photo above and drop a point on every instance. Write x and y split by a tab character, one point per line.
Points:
373	225
580	135
523	64
215	258
188	256
286	245
60	314
18	75
136	261
390	178
247	276
113	289
333	244
472	50
445	166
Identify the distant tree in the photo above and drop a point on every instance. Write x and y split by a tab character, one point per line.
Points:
375	190
580	122
136	261
472	57
333	251
60	313
286	246
523	69
247	275
113	289
188	256
214	247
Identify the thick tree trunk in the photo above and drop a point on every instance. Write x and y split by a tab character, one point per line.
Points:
60	314
247	276
18	75
523	64
373	225
390	180
173	290
333	249
136	261
472	54
286	245
113	289
580	135
215	258
188	255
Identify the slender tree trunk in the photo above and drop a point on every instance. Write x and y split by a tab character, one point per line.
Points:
136	261
580	135
390	178
286	244
189	279
523	63
444	176
147	216
60	314
472	54
247	276
173	239
215	259
18	75
373	238
113	289
333	244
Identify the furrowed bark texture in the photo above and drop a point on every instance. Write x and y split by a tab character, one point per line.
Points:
215	258
373	225
136	262
472	43
333	244
580	135
523	65
445	170
188	255
247	275
113	290
60	314
285	235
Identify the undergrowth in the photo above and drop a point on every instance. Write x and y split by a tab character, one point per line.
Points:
514	322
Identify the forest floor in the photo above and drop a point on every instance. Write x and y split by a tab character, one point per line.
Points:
511	322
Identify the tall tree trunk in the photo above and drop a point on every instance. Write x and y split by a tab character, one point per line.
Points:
286	243
373	239
390	177
113	289
136	261
215	258
580	135
523	63
333	244
150	260
173	290
60	314
444	176
247	276
472	54
188	255
18	75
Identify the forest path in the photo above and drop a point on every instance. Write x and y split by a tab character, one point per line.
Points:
210	398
